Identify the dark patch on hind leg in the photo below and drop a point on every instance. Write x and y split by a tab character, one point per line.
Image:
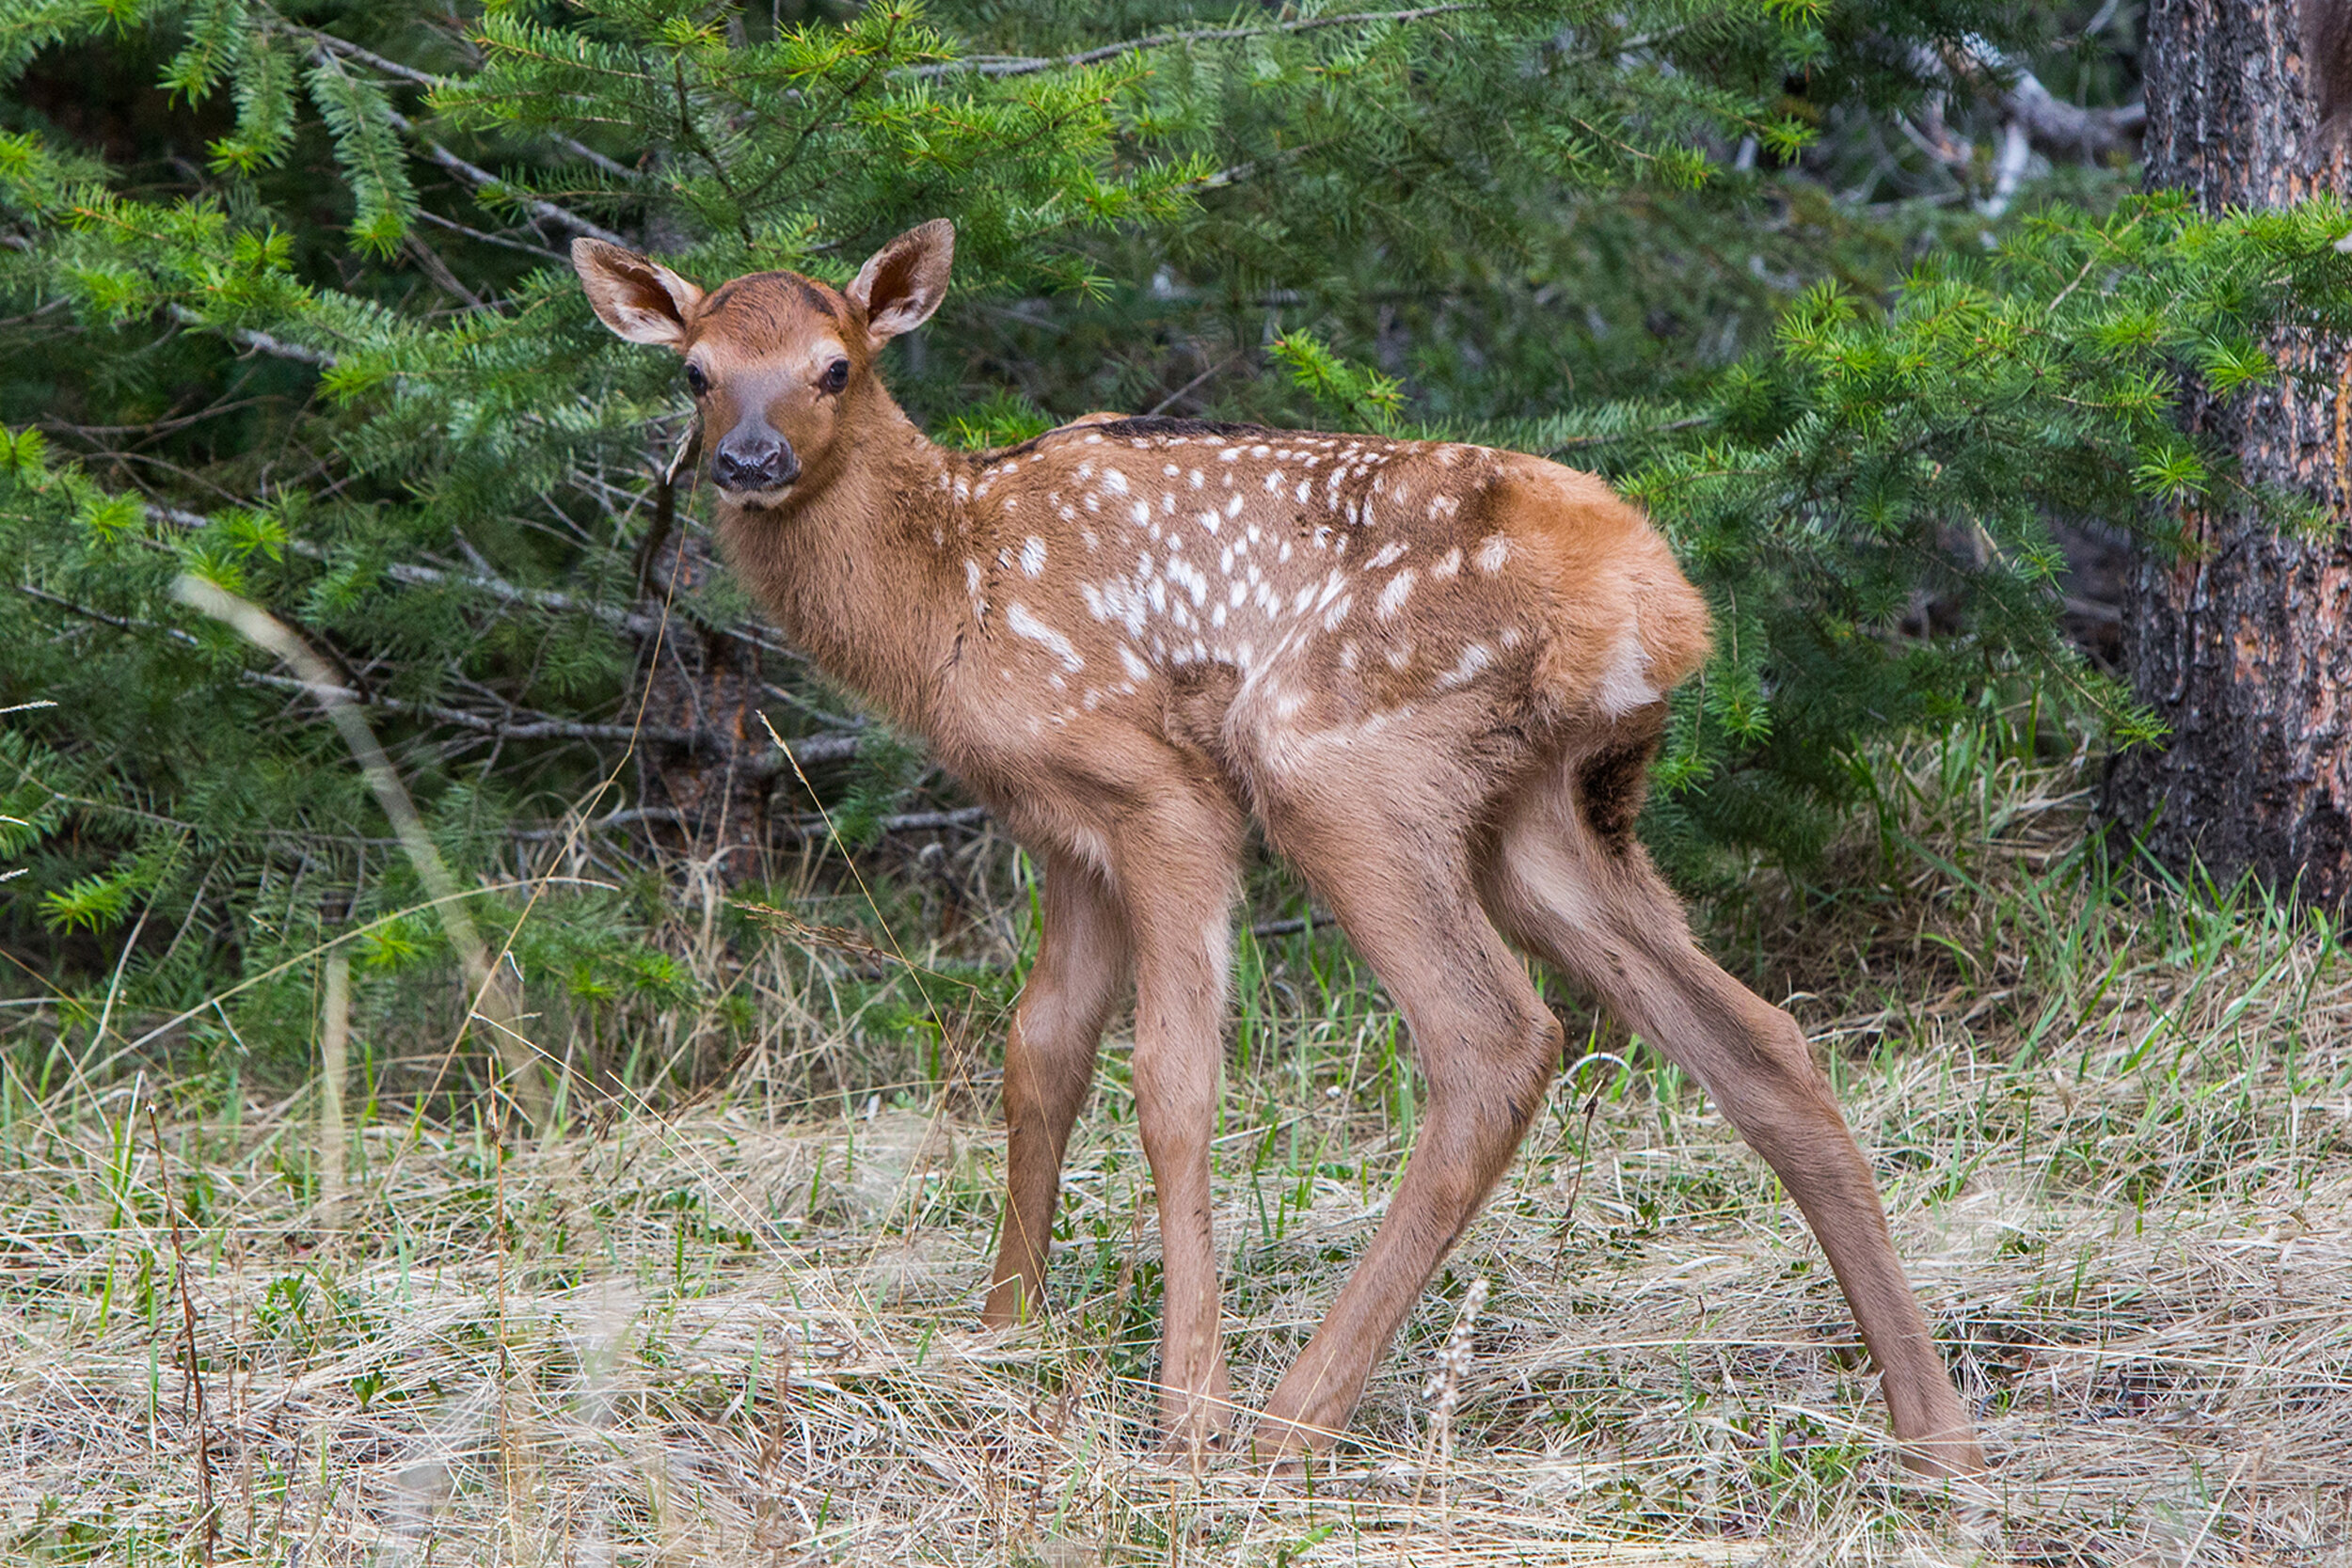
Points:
1612	786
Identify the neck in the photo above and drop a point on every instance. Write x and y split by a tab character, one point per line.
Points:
848	564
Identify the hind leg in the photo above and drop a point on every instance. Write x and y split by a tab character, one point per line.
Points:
1568	880
1486	1046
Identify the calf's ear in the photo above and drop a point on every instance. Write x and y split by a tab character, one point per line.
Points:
640	300
902	283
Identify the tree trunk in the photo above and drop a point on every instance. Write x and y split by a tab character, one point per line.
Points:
2244	645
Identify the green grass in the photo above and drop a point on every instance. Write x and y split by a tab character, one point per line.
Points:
739	1325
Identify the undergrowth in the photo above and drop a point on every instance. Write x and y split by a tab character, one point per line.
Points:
736	1320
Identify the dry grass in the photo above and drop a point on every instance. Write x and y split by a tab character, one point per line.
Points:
2111	1127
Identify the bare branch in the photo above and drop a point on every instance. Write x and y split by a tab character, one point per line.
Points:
2017	94
813	825
483	179
261	343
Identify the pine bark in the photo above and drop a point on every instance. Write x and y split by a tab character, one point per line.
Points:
2243	644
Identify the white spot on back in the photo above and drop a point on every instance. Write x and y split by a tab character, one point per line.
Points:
1493	553
1473	659
1017	616
1033	556
1392	597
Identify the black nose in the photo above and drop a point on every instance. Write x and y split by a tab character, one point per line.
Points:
755	459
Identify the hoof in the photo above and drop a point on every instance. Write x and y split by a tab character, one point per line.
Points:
1287	1452
1192	1451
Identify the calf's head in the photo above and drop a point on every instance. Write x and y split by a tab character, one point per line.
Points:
778	363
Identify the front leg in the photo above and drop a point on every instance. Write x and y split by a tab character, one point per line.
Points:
1049	1061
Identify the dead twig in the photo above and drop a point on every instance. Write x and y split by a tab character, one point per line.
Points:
208	1521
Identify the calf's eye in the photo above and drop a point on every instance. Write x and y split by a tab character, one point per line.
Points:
696	382
835	377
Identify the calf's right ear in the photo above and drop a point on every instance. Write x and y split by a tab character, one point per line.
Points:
640	300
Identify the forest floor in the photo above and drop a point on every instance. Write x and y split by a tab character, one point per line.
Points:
2114	1128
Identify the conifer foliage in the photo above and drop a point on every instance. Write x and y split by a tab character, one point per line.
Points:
285	309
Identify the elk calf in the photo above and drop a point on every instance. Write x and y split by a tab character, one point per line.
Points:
1435	673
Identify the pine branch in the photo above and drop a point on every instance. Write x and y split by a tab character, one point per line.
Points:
1028	65
428	80
323	48
517	723
637	623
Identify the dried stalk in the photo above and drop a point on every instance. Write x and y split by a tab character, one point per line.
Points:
490	1000
210	1525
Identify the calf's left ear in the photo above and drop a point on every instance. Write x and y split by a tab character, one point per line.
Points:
640	300
902	283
